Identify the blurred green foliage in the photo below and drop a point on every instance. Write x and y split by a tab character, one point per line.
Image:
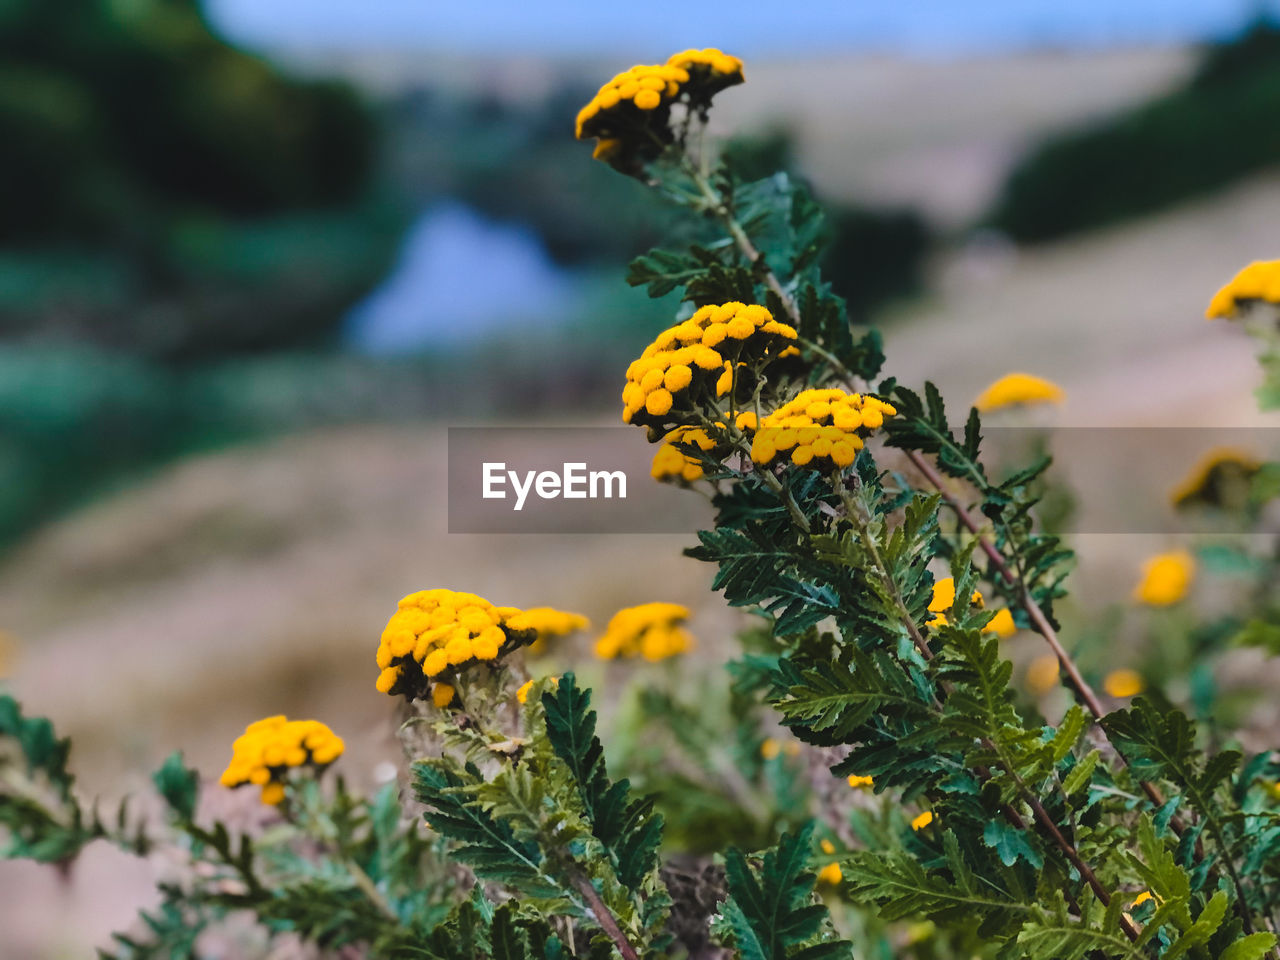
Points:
107	102
1216	128
874	255
168	195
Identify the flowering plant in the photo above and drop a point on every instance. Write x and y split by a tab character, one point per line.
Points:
887	789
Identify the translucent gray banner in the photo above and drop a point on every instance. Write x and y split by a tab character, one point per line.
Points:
1103	480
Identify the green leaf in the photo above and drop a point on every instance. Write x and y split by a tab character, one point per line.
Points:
629	829
38	807
771	911
1253	947
1010	843
507	941
43	751
1258	633
662	271
902	889
1198	934
485	844
179	785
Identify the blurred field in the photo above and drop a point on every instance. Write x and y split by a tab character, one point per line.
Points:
256	580
937	133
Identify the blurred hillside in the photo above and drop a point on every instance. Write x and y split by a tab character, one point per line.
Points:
1202	135
167	195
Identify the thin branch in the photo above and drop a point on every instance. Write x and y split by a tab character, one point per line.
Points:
608	922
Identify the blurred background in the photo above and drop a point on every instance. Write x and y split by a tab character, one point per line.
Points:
256	257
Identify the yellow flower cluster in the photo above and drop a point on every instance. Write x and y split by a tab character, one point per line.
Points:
1019	389
922	820
629	115
944	598
1123	683
859	782
691	356
522	693
548	623
1260	280
673	464
1042	673
266	750
651	630
709	69
434	631
823	428
771	747
1166	578
1215	476
830	874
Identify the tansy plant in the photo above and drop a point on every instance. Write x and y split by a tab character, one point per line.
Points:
867	781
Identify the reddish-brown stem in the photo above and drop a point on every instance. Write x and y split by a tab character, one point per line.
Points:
1037	616
604	917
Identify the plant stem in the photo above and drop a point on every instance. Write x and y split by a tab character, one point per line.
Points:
608	922
369	889
1033	610
716	204
1037	615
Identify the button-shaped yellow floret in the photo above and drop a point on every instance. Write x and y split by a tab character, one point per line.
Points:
442	695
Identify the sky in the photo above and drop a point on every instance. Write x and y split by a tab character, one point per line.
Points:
760	28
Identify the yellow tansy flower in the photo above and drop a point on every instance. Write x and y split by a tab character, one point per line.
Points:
858	782
548	623
522	694
689	360
1018	389
1001	624
672	463
1042	674
831	873
1260	280
651	630
1166	578
1123	683
630	115
770	748
442	695
436	633
822	428
944	598
1221	477
268	748
922	820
